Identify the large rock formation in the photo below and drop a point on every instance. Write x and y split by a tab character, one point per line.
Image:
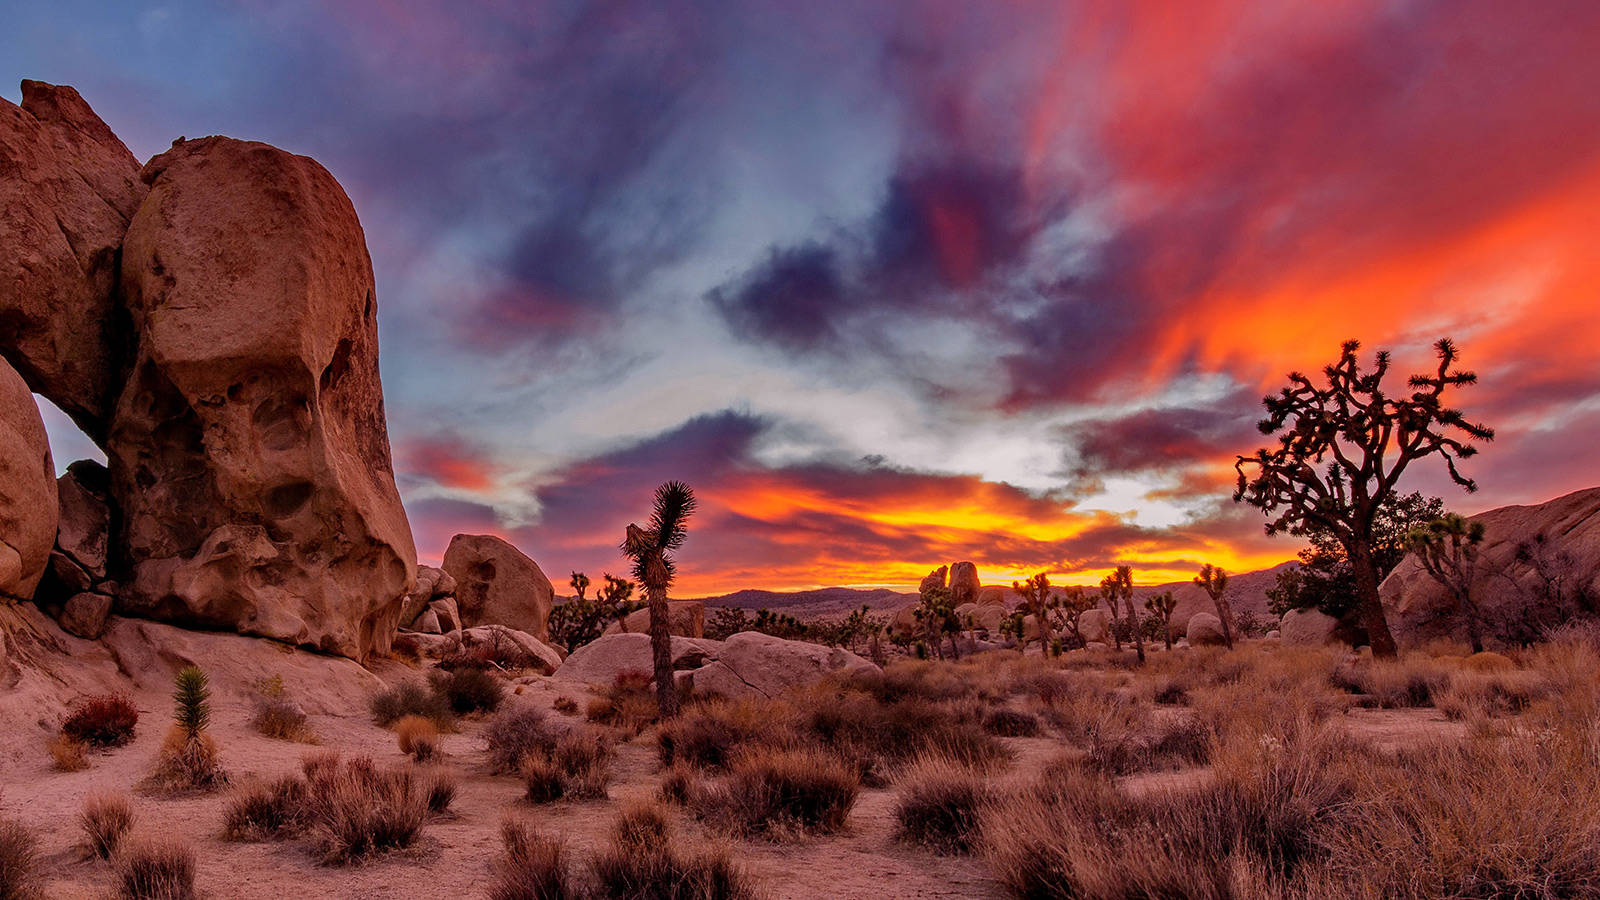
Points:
497	584
753	664
599	662
248	450
964	583
68	189
1204	630
28	505
685	618
1308	628
1537	566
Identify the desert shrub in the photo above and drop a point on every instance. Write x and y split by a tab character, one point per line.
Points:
514	733
878	736
278	716
68	754
774	791
1490	694
418	737
940	805
363	811
679	783
411	698
566	706
710	734
543	778
321	766
497	651
1011	723
152	870
628	702
1401	684
533	867
406	647
262	810
105	819
468	690
19	863
577	766
644	859
439	787
107	720
1123	747
186	762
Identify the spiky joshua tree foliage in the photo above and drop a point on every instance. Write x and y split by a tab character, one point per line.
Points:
1070	607
191	700
1214	582
1162	605
1447	547
651	551
1037	602
1118	588
1342	451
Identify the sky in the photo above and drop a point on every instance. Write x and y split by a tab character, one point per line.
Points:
895	284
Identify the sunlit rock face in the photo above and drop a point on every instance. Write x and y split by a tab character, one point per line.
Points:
248	451
68	189
28	508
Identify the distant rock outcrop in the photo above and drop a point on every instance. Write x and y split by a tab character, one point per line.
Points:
964	583
248	452
68	189
1537	566
497	584
28	504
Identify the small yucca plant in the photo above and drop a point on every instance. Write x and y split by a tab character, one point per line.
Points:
192	712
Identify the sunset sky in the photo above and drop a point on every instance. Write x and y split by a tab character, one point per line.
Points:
893	284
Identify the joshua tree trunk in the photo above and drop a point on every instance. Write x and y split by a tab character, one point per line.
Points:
1369	607
661	652
1116	634
1133	624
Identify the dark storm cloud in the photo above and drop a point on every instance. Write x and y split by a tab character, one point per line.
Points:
1165	440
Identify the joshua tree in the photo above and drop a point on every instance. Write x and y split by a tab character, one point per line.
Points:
1162	605
1119	586
580	585
1110	599
1037	602
1447	547
192	711
581	620
937	616
651	551
1215	583
1072	604
1343	451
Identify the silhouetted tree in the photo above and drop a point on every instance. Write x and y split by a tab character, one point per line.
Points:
581	619
1325	581
1070	606
1118	586
936	616
653	567
1447	547
1161	606
1037	602
1214	582
1366	440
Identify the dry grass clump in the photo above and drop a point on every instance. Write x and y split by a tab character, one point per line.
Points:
645	859
1394	684
68	754
878	736
576	766
468	690
534	867
775	791
350	809
1490	693
411	698
156	870
566	706
1123	745
418	737
709	735
105	819
940	805
513	734
1010	723
106	720
19	862
278	716
186	763
439	786
263	810
629	703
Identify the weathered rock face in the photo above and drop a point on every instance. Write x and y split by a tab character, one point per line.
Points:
601	661
248	451
1307	628
1205	630
934	579
1536	566
85	528
685	618
964	583
498	584
68	189
752	664
1095	625
28	505
983	616
525	650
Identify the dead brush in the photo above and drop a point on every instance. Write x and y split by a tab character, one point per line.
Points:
532	867
774	792
367	812
644	858
577	766
156	870
628	703
105	819
20	877
514	733
709	735
940	805
68	754
417	737
439	786
107	720
1123	745
1490	694
264	810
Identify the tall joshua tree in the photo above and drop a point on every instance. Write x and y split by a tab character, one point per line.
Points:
1163	605
1447	547
1118	586
1343	449
1215	583
1036	601
653	567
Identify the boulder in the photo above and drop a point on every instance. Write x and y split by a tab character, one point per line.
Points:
984	616
933	580
85	615
85	527
752	664
602	660
1307	628
497	584
422	593
995	595
530	651
447	613
904	620
248	452
685	618
1205	630
427	623
1095	625
964	583
1273	635
29	509
68	189
1537	565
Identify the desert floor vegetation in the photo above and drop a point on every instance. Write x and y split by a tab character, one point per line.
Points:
1261	771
